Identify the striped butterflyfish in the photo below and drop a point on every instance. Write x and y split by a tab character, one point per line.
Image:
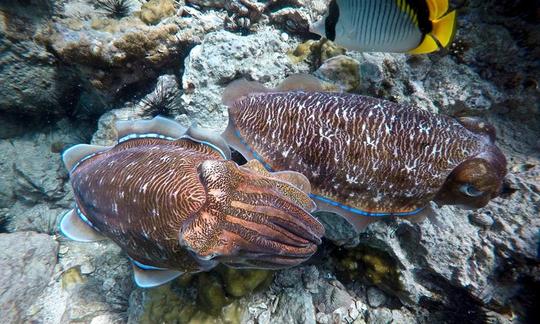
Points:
399	26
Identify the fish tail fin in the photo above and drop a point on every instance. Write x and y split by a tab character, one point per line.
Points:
442	34
437	8
444	28
157	127
241	88
428	45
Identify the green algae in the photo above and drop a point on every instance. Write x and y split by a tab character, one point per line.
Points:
369	264
72	277
209	297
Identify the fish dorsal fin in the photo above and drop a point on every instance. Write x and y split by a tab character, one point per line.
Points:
148	278
444	28
75	228
304	82
159	127
437	8
207	137
75	154
241	88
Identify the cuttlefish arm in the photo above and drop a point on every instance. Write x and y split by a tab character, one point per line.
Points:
252	218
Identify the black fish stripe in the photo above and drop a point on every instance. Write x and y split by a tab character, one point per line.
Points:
384	25
371	14
356	15
378	23
332	20
362	35
401	25
393	26
391	29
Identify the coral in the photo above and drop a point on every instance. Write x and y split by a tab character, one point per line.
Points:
153	11
315	52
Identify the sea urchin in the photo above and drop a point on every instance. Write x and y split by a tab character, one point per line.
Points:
115	8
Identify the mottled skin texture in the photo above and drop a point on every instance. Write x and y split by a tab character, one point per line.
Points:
179	205
367	153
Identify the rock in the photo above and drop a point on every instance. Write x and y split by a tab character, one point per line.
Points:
26	263
259	57
375	297
33	83
482	219
337	229
294	307
79	294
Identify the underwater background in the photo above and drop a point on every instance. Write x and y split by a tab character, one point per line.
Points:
70	68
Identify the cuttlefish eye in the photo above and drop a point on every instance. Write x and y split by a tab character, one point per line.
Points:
474	182
470	190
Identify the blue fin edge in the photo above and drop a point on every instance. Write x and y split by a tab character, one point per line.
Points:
220	151
147	135
255	154
144	266
364	213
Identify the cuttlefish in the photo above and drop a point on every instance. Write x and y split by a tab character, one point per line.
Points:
365	157
175	203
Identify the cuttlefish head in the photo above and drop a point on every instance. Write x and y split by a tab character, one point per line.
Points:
252	218
477	180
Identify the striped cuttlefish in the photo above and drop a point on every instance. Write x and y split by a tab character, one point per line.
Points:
175	203
365	158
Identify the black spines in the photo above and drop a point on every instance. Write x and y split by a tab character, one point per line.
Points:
331	21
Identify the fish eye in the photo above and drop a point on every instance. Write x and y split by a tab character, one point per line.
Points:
470	190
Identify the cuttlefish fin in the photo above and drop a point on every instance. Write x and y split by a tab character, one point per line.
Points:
80	152
241	88
292	177
358	222
207	137
296	179
149	276
299	81
158	127
77	229
426	212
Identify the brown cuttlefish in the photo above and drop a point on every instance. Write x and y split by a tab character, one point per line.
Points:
171	199
366	158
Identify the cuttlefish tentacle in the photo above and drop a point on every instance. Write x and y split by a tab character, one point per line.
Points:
248	215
